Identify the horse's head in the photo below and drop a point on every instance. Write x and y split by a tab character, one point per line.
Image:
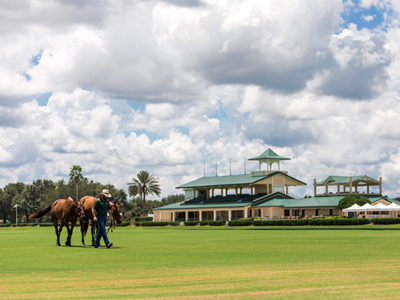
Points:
116	212
80	211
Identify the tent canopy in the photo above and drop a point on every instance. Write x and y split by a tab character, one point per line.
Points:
355	207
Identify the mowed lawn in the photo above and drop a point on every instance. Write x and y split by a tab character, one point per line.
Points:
204	262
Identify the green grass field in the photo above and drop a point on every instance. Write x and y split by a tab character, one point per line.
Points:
204	262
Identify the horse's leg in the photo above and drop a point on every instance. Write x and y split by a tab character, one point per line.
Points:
94	227
55	223
84	228
73	222
59	232
68	241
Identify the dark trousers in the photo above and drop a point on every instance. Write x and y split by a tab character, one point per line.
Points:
101	231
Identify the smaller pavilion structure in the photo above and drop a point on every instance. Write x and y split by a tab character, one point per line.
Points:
348	185
269	157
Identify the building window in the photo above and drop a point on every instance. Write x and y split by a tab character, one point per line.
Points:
331	212
287	213
316	212
303	213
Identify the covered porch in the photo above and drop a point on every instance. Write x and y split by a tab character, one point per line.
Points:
203	214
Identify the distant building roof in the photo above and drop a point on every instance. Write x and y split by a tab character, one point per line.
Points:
231	180
346	180
268	155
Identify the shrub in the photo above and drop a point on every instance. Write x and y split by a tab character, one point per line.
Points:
191	223
176	223
298	222
241	222
45	224
385	220
143	219
337	221
151	223
349	200
213	223
123	224
4	225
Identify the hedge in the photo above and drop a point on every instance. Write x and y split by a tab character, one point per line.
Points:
300	222
191	223
241	222
151	223
337	221
123	224
213	223
143	219
385	220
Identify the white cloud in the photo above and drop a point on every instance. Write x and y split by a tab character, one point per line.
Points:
216	79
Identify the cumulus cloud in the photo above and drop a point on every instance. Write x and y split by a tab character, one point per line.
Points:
216	80
361	61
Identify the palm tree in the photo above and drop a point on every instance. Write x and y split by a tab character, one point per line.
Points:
145	184
75	175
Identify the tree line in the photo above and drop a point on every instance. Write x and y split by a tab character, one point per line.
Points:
41	192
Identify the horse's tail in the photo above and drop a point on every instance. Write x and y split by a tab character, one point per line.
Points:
40	213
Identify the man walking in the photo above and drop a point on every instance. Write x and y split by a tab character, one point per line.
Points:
100	208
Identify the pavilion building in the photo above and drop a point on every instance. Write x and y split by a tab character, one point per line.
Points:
263	194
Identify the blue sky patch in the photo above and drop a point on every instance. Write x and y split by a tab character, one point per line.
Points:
36	58
371	18
136	105
27	76
43	99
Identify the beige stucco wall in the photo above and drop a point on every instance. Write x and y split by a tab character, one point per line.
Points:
162	216
260	188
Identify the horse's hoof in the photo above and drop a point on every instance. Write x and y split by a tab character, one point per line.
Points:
58	244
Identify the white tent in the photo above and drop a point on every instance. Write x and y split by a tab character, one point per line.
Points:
393	207
381	207
368	207
354	208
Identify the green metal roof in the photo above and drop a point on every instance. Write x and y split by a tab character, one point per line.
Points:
222	181
346	180
327	201
231	180
269	154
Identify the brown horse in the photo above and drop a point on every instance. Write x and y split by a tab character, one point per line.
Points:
65	210
88	202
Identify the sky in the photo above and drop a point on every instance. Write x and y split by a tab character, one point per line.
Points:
171	86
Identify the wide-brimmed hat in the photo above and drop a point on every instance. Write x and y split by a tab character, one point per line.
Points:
106	193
